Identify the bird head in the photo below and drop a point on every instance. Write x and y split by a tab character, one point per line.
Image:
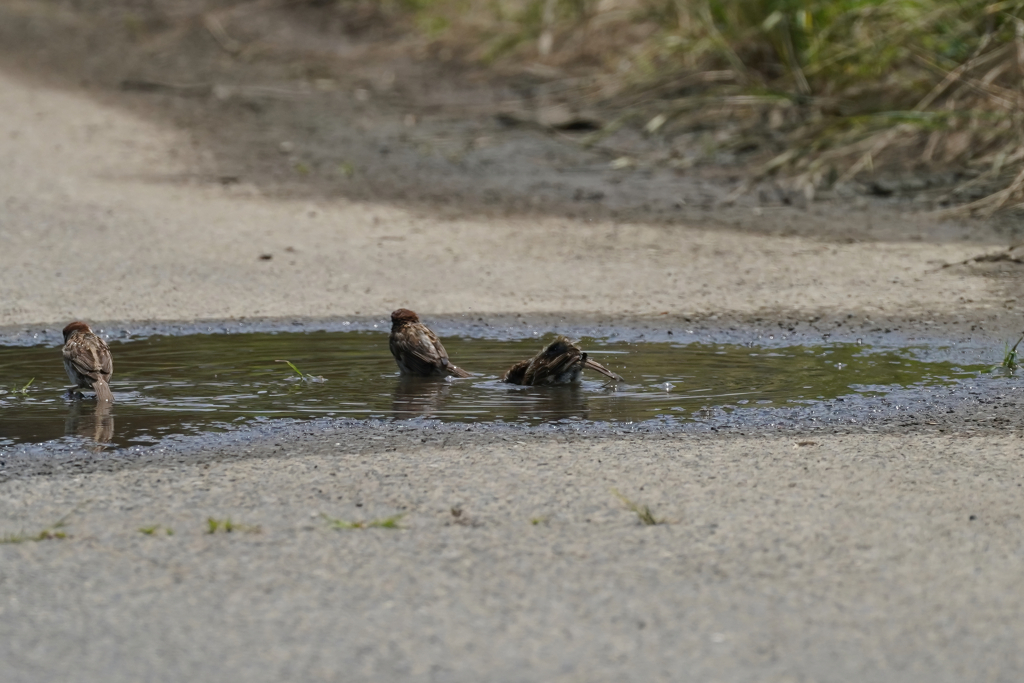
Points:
403	316
561	345
77	326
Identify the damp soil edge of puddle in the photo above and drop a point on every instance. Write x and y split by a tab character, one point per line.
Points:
956	418
984	329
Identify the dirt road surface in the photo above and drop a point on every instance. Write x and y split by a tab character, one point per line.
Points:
786	557
103	223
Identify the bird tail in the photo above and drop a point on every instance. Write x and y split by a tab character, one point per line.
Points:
457	371
103	394
594	365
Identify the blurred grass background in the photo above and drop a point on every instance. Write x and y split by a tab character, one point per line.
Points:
825	91
817	96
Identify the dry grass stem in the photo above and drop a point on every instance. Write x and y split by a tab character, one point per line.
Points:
794	90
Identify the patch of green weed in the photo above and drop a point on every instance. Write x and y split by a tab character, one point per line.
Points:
1011	358
382	523
23	390
227	526
52	532
643	512
301	375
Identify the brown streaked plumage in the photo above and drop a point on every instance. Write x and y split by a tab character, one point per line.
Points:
560	362
87	360
417	350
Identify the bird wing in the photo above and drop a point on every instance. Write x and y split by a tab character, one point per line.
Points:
94	364
544	369
517	372
428	348
106	360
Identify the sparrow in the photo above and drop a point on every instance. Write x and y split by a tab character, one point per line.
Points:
560	362
417	350
87	361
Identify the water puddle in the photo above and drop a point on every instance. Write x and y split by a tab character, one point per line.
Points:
181	385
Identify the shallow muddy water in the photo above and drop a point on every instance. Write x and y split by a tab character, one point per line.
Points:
169	385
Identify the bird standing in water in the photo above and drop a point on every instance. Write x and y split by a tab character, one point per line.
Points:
417	350
560	362
87	361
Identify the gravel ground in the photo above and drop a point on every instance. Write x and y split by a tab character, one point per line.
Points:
846	558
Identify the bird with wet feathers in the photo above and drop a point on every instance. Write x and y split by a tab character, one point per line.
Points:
87	360
560	362
417	350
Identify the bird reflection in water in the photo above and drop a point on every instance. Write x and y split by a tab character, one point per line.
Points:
419	396
433	397
550	403
92	421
